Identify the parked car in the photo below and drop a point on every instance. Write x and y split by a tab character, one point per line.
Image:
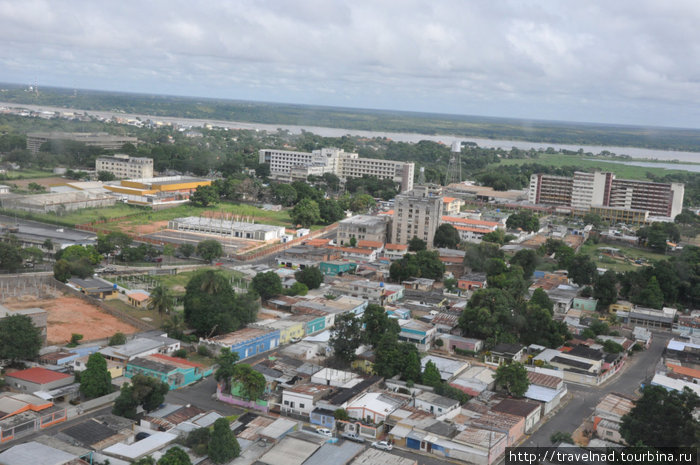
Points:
353	437
325	432
383	445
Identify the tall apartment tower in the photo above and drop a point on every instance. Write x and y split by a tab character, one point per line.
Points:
417	214
585	190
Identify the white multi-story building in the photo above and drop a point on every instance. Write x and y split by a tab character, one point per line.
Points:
124	166
287	165
416	214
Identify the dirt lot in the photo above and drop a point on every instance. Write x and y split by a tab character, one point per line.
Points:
69	315
46	182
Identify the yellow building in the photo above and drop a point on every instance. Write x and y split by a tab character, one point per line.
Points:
158	191
621	215
289	330
620	306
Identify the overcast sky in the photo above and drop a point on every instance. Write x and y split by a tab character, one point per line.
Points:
611	61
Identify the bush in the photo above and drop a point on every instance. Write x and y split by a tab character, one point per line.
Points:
439	342
203	351
181	353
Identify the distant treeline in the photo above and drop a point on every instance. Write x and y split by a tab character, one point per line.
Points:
359	119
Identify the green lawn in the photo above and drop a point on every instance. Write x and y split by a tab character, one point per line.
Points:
142	216
559	160
630	254
28	174
155	319
174	282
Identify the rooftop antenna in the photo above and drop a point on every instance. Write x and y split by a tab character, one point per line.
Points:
454	167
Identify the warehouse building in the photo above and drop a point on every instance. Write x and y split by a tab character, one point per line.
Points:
227	228
93	139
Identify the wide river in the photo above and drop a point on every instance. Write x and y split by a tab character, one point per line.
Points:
635	152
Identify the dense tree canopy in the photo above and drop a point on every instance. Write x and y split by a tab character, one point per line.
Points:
513	378
346	337
96	380
525	220
209	249
662	418
19	338
446	236
422	264
267	284
223	445
146	391
311	276
306	213
212	307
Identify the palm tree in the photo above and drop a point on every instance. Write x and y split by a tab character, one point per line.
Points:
175	326
213	283
161	300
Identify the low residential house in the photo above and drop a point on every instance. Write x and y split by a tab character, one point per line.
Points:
435	404
373	291
247	342
547	387
138	299
395	251
448	367
683	352
689	374
357	253
374	407
324	414
312	322
642	336
335	378
653	318
115	369
563	297
607	417
472	281
170	416
477	415
300	400
417	332
67	357
530	411
674	384
625	343
474	380
576	368
419	284
491	445
134	451
288	329
453	343
505	353
36	453
445	321
37	379
140	346
302	256
583	303
364	361
175	372
337	267
94	287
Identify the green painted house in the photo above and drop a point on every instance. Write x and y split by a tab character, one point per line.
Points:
175	372
337	267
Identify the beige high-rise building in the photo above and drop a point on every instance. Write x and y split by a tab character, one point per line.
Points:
417	214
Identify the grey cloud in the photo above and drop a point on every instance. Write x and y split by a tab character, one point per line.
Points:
615	61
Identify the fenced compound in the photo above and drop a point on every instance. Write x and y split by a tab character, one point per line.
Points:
28	287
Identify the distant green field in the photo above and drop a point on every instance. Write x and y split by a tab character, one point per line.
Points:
28	174
631	254
141	216
560	160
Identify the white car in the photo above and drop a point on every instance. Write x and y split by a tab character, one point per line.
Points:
383	445
325	432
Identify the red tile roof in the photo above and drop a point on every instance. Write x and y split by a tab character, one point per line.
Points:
455	219
370	244
177	361
38	375
396	247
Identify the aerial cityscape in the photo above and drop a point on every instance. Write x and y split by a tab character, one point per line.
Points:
458	234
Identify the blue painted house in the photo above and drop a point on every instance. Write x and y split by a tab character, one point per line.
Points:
175	372
249	341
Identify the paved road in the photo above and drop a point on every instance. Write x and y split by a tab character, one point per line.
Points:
201	395
639	368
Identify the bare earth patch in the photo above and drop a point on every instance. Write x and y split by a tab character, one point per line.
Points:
69	315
